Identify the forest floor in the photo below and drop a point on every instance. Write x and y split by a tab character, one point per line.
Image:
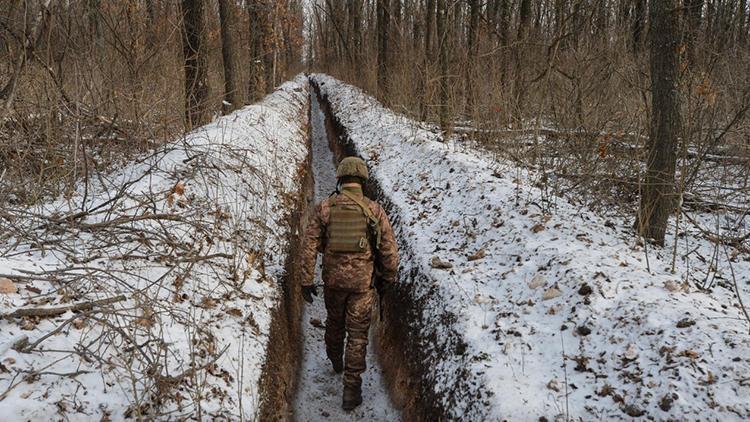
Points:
320	389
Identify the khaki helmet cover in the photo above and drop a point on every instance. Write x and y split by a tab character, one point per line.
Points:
352	166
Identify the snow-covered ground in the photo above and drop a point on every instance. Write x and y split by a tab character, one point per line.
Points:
320	389
527	315
189	243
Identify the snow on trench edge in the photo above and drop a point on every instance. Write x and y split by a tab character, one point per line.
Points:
524	286
230	187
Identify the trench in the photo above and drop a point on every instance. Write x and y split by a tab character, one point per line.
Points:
399	340
319	389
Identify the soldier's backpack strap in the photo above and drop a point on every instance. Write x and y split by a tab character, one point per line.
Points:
374	223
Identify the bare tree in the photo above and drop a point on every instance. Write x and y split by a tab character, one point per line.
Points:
519	88
383	34
693	17
427	57
31	36
257	83
471	53
638	24
227	54
355	31
196	82
442	33
657	200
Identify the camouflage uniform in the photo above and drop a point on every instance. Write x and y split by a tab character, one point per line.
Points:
349	295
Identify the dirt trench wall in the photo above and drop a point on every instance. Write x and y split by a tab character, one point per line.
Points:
278	381
405	362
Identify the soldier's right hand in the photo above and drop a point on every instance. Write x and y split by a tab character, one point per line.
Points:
308	292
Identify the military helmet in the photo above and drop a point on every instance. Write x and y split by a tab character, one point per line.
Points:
352	166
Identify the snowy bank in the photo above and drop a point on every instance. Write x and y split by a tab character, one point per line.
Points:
509	313
176	268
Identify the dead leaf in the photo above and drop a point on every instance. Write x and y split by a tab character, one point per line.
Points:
672	286
28	324
477	255
251	257
208	303
179	188
79	323
685	323
605	391
711	378
147	319
317	323
234	312
536	282
690	354
633	411
538	227
7	286
551	293
440	264
631	353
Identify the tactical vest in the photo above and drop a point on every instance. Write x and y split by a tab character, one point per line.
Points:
350	226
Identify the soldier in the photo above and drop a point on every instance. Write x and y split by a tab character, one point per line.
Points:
353	233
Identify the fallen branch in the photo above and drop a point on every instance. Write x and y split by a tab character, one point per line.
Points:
46	312
699	204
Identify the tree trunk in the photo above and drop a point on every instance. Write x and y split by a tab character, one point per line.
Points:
269	43
93	17
492	7
623	14
355	31
429	16
442	33
196	84
519	89
602	20
151	34
638	25
693	16
227	55
471	55
383	32
657	200
741	23
424	85
505	42
257	81
32	34
395	12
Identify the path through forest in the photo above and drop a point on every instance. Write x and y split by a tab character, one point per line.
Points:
320	389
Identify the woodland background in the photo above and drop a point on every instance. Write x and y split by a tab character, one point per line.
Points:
566	87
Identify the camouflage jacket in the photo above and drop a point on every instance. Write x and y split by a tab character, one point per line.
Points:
346	271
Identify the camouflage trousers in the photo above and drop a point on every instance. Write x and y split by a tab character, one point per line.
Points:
349	313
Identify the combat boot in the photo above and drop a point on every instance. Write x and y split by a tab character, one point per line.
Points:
338	365
352	398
